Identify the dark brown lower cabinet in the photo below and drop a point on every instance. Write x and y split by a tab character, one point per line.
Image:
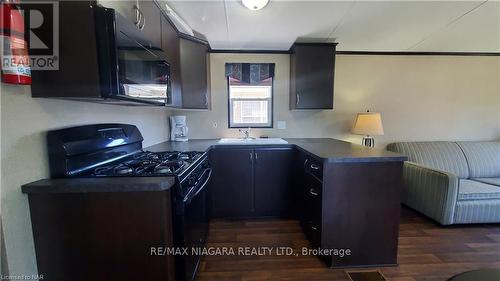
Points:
361	211
102	236
231	184
251	182
352	210
273	179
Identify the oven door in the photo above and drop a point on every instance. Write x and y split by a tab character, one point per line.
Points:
195	225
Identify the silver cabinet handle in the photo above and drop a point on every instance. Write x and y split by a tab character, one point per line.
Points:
206	99
314	228
314	167
297	99
137	16
313	192
251	156
141	27
305	163
256	157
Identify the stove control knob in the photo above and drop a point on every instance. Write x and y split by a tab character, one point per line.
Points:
192	181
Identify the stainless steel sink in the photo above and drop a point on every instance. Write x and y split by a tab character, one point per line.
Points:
251	141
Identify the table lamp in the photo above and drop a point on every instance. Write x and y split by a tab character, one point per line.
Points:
368	124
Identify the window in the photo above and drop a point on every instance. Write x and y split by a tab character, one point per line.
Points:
250	95
250	105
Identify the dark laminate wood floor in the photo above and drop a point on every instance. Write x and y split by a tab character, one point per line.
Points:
427	251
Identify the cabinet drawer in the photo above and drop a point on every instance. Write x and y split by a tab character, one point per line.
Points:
312	188
312	229
315	233
313	203
312	200
314	167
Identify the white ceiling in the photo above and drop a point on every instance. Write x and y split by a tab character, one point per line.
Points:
462	26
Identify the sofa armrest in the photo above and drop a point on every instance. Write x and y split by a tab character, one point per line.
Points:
430	191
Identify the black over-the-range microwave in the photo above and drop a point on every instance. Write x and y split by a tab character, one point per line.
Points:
104	57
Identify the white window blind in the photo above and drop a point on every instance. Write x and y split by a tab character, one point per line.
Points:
250	105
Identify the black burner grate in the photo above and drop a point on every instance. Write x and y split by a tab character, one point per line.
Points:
149	164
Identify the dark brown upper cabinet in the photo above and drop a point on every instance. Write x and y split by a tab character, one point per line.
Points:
194	74
129	9
189	63
312	73
145	15
150	21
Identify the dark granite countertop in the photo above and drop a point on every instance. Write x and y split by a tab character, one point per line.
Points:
337	151
330	150
200	145
86	185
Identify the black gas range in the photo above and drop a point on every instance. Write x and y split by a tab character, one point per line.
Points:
115	150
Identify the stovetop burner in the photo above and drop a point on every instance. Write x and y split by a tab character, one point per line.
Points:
149	163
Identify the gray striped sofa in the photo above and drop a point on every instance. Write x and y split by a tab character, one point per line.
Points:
452	182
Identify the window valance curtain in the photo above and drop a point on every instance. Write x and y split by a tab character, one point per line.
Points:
251	73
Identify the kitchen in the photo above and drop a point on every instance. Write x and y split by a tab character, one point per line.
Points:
351	96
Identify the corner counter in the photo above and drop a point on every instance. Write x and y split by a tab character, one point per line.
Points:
346	196
327	149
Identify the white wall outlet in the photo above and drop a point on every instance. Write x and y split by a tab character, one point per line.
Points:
281	125
214	125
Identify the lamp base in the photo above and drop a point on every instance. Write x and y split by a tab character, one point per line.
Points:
368	141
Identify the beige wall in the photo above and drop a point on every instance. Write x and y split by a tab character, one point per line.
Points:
24	157
421	98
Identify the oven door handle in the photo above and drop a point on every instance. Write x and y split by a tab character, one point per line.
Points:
199	189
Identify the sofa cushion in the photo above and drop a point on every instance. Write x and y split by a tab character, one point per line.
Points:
477	211
445	156
483	158
492	181
474	190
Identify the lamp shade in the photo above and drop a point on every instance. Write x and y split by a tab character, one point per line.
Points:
368	123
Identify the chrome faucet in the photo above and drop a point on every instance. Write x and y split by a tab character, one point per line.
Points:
246	132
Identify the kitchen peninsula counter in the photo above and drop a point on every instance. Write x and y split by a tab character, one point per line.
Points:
346	196
330	150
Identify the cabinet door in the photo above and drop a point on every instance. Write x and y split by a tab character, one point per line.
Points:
128	9
312	76
194	74
273	181
170	45
231	186
145	15
151	22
